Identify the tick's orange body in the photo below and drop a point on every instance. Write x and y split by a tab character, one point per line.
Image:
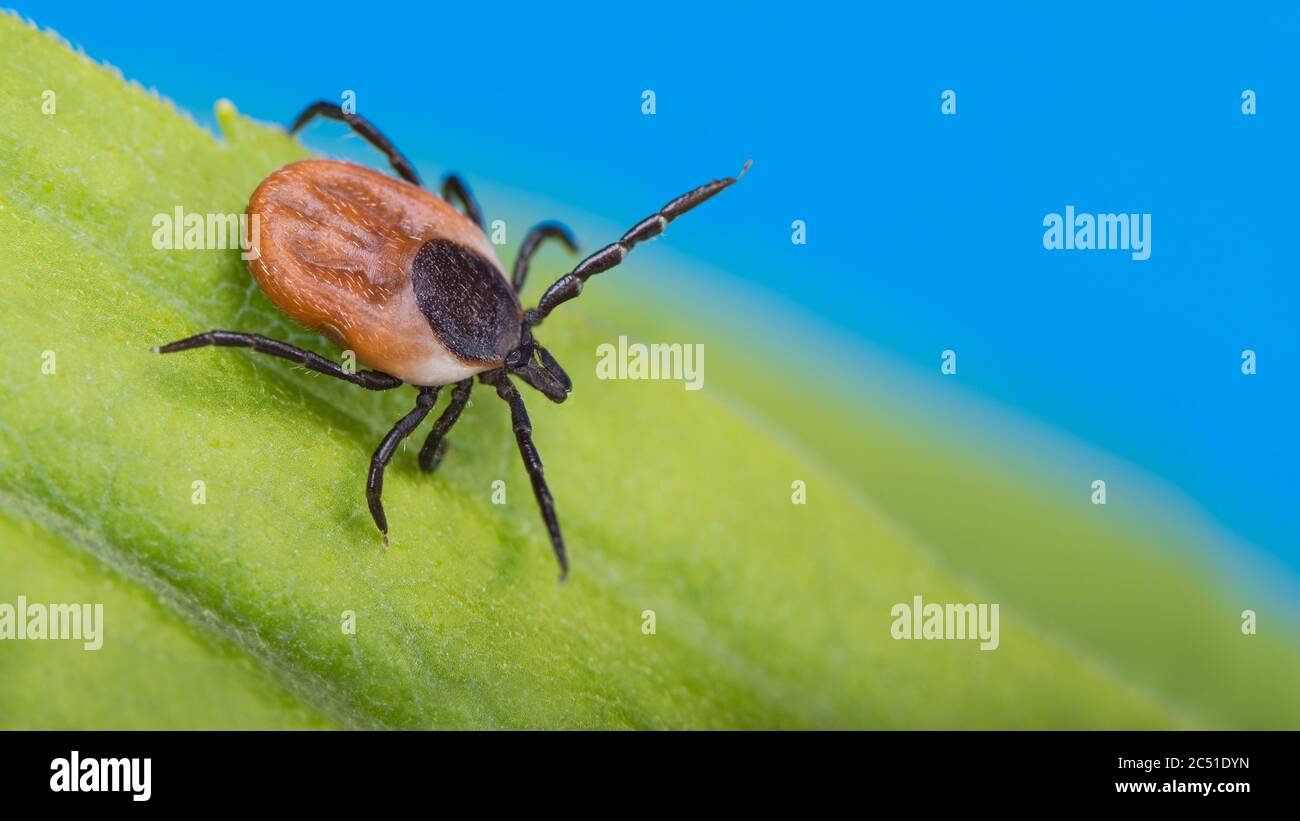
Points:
337	249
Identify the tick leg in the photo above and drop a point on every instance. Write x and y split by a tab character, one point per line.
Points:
570	285
533	464
455	190
540	233
363	127
435	446
372	380
403	428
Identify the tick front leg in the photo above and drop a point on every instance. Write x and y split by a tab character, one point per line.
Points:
570	285
435	446
533	464
375	481
371	380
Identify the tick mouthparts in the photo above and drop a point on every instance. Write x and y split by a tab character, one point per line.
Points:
517	358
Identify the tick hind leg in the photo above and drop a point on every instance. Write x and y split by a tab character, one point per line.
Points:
365	129
372	380
533	464
454	189
404	427
435	446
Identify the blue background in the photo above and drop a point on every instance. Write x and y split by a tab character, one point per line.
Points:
924	231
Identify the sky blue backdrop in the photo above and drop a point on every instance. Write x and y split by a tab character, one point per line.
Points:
924	230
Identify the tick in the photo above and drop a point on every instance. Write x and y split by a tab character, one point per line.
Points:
408	281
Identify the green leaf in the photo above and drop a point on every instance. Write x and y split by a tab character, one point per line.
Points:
231	612
155	671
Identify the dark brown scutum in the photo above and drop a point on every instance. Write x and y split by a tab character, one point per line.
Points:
468	303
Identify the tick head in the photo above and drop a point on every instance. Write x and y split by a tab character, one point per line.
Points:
535	365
